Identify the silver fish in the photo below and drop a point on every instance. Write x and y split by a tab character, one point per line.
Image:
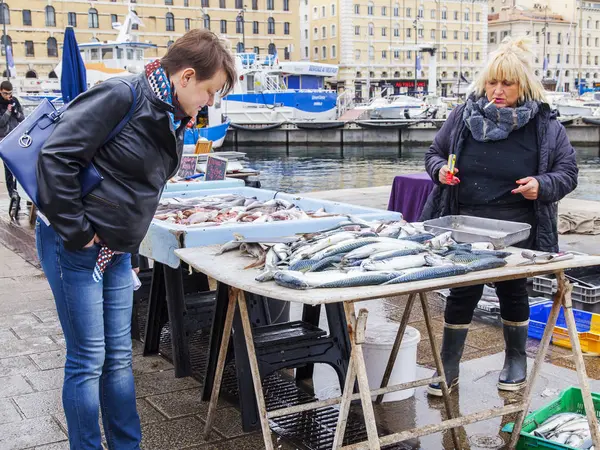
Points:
429	273
271	260
442	240
575	440
486	264
421	237
394	254
574	426
345	247
228	246
325	263
383	244
361	279
561	438
402	262
282	251
331	279
437	260
496	253
553	422
303	265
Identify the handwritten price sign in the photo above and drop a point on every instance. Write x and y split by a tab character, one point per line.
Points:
216	168
188	166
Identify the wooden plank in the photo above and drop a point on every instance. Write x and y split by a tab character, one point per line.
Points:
229	268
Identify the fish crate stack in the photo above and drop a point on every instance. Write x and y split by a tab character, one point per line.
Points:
586	287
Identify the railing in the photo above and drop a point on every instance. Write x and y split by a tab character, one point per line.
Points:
345	101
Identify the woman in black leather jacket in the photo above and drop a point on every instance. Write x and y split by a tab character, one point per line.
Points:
84	244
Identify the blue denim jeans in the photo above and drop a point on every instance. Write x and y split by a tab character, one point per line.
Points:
96	321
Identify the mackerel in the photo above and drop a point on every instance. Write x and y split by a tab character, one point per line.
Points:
430	273
402	262
394	254
271	260
345	247
383	244
553	422
330	279
486	264
325	263
422	237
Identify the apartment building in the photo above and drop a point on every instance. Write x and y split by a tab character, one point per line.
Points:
376	42
34	28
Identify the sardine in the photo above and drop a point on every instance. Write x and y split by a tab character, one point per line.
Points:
430	273
486	264
402	262
383	244
553	422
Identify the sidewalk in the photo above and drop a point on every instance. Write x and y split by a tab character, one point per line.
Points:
32	362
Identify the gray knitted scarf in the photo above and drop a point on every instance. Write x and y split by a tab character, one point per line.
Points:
493	123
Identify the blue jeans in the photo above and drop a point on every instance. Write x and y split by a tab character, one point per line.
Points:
96	321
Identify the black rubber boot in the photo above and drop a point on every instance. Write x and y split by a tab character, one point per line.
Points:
453	344
514	374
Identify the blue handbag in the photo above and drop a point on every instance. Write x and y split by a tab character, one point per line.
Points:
21	148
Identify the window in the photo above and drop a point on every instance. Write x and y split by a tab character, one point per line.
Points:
444	54
356	30
396	56
271	26
595	61
135	26
409	54
324	52
254	5
332	30
383	54
316	33
356	9
239	4
357	55
537	37
597	42
286	28
93	18
186	3
286	53
333	10
444	33
270	5
323	32
456	56
371	29
477	56
315	13
455	35
29	49
207	21
396	10
222	4
27	17
322	11
223	26
588	23
317	52
72	19
444	13
333	52
187	23
587	41
567	58
286	5
420	12
305	52
467	14
239	25
114	18
255	28
5	41
455	15
384	31
478	17
396	31
169	43
466	35
421	33
50	20
466	55
384	10
170	22
240	47
505	33
588	60
558	59
433	33
370	9
407	12
408	32
52	47
559	38
5	16
433	13
371	53
548	38
168	2
305	32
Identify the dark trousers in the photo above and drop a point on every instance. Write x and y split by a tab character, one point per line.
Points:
514	302
11	183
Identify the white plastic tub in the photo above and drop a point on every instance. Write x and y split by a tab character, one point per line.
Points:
377	348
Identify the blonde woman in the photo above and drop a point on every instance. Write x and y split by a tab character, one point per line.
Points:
514	163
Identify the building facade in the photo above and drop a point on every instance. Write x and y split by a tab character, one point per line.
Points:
376	42
35	28
563	45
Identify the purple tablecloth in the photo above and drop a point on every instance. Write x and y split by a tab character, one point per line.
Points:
409	194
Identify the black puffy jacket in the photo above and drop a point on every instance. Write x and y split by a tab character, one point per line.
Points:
557	172
135	165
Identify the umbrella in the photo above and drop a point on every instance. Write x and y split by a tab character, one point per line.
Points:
72	78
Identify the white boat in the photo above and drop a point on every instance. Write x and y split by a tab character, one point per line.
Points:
407	107
271	92
586	105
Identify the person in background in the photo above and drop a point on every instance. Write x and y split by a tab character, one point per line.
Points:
516	163
85	244
11	114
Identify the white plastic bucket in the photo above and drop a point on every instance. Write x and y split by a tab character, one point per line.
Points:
377	348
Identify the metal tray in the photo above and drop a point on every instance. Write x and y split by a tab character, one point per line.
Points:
500	233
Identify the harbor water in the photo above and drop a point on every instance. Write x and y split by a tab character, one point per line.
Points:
328	169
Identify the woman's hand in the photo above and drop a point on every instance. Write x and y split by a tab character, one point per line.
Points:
96	240
445	178
529	188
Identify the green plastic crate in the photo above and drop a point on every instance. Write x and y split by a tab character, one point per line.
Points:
570	400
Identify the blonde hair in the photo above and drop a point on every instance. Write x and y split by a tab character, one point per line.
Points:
511	62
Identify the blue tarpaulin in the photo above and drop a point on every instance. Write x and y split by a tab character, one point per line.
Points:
72	78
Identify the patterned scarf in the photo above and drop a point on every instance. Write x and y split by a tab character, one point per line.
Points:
161	85
493	123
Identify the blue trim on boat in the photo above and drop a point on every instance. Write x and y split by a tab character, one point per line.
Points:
314	102
211	133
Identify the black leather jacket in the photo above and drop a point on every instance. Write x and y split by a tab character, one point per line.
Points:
135	165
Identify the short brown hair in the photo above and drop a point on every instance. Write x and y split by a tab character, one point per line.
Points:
203	51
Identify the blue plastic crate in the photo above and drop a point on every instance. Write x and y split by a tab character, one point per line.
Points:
538	317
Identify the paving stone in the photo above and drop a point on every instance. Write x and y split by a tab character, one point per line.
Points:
252	441
28	346
175	434
228	422
24	270
7	336
49	360
46	315
63	445
24	305
147	413
180	403
14	385
8	411
13	320
137	348
162	382
37	329
148	364
60	340
47	380
40	403
29	433
16	365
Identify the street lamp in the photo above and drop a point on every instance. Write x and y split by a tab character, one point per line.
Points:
416	27
241	17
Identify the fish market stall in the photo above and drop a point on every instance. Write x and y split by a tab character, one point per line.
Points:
201	185
403	271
